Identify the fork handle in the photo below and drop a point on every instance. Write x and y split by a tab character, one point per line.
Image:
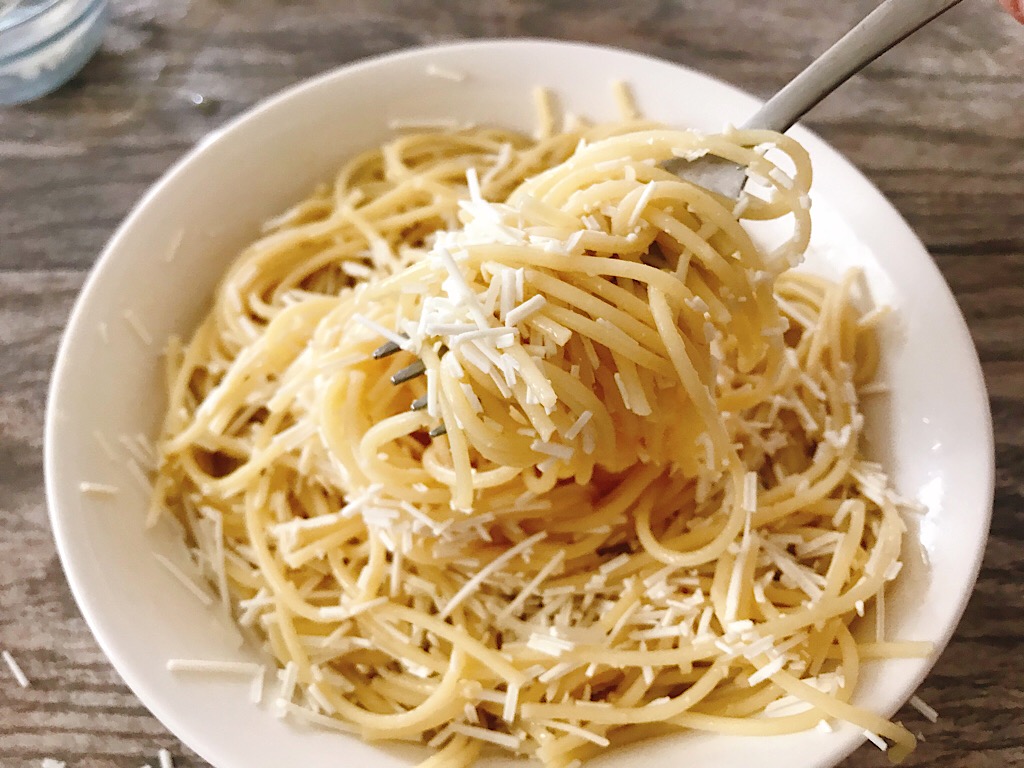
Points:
879	31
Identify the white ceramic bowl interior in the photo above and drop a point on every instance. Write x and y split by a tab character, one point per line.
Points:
933	431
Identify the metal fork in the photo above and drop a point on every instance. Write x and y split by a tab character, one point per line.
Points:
890	23
414	370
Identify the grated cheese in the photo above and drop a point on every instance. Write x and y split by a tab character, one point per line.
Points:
749	491
549	644
187	582
549	568
501	163
875	388
507	293
428	124
801	575
210	666
877	740
532	673
357	504
495	565
314	718
511	703
380	330
356	269
614	564
786	706
441	737
136	325
16	670
557	672
741	206
433	70
258	683
498	337
765	672
658	633
556	450
104	445
486	734
526	310
880	616
98	489
623	392
573	245
641	204
704	623
919	704
759	646
288	678
577	731
781	178
139	476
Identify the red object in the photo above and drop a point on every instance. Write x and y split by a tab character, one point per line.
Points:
1015	7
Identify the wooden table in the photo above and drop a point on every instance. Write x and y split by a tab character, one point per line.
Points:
938	124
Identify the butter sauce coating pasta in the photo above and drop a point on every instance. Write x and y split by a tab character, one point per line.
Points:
648	510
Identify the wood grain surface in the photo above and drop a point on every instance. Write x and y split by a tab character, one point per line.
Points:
937	124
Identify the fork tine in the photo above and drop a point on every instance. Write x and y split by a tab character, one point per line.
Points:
438	431
410	371
385	350
714	173
418	404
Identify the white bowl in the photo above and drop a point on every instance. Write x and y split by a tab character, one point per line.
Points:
933	431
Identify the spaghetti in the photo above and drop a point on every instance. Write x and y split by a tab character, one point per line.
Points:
648	511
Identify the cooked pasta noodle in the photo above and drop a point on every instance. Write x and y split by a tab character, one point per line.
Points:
648	511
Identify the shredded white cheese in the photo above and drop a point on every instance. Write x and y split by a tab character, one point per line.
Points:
433	70
428	124
549	644
380	330
526	310
314	718
765	672
576	730
136	325
187	582
486	734
929	712
877	740
16	669
208	666
98	489
258	683
511	704
556	450
492	567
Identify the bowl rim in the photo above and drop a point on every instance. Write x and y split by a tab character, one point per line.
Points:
146	694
